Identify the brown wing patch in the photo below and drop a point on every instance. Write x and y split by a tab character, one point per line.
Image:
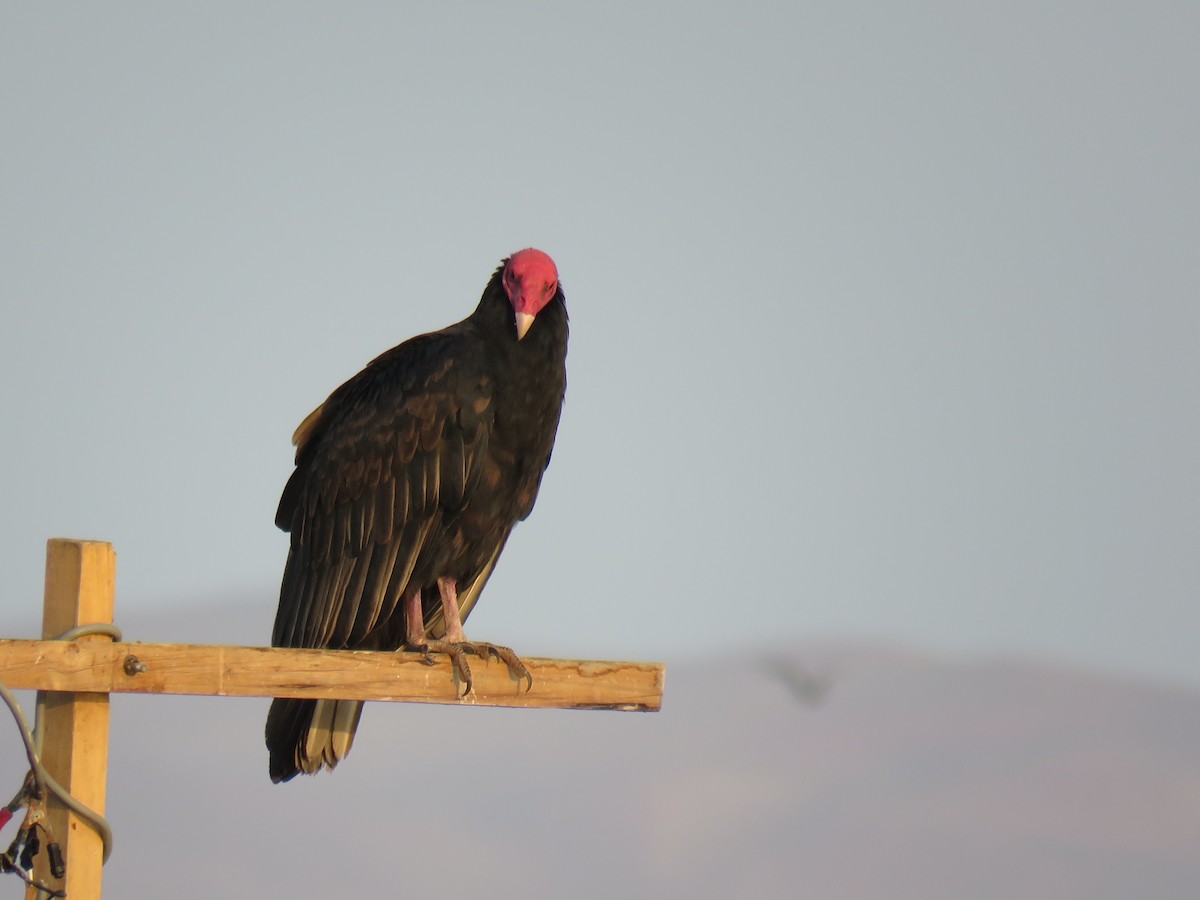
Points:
306	428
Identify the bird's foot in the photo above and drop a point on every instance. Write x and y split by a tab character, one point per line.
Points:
458	650
516	668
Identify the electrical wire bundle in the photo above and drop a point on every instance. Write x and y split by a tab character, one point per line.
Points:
37	786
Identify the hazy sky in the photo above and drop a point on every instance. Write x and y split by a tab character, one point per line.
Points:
885	316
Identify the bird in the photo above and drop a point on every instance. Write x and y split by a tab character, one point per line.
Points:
408	482
806	684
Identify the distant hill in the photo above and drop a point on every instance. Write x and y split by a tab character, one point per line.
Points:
825	771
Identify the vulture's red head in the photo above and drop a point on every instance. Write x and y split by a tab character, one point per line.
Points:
531	281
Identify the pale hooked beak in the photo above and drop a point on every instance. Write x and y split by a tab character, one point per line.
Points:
524	320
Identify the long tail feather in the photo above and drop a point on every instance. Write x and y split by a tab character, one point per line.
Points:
304	736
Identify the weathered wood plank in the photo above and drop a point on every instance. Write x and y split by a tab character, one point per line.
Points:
80	583
232	671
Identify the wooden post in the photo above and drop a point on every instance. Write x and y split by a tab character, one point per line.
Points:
80	582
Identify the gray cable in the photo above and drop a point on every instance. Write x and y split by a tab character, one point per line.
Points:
105	628
33	741
22	726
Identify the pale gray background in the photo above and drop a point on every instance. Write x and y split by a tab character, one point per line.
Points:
884	315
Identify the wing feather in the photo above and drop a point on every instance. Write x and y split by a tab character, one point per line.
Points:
370	604
326	604
361	514
339	546
293	586
384	517
453	474
433	480
411	545
312	585
378	465
352	596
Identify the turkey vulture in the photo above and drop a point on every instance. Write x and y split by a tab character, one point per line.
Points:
408	481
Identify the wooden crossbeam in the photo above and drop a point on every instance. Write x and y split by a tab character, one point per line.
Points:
104	667
78	677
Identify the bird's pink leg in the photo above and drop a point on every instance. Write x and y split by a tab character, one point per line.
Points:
448	588
414	620
456	645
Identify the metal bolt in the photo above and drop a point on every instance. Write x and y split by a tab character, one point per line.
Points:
134	666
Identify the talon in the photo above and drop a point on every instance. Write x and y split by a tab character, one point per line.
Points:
426	654
516	669
457	651
464	674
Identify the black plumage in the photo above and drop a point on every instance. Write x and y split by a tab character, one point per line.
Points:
414	471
